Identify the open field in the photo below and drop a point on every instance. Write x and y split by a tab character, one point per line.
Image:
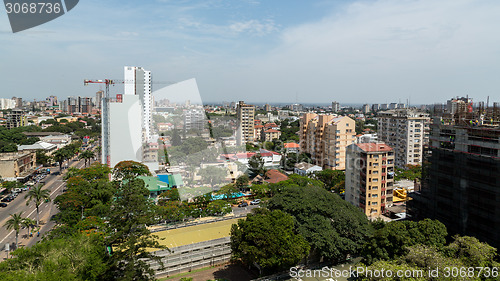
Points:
195	234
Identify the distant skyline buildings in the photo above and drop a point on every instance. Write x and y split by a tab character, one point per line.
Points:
285	49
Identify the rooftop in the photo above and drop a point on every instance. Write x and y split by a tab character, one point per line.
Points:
274	176
374	147
291	145
9	156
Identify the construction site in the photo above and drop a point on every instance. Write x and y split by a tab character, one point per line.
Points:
461	171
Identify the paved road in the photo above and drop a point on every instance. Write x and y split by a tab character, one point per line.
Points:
55	185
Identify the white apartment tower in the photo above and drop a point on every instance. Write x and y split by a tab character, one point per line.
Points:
138	82
406	131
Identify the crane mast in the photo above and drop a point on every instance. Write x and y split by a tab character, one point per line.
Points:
104	117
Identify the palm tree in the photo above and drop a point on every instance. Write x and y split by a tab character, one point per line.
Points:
87	155
37	195
15	223
60	156
27	222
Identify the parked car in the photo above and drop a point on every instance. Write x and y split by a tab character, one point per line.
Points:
3	205
8	199
255	202
244	204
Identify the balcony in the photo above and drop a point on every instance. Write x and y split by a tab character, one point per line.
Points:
383	189
383	196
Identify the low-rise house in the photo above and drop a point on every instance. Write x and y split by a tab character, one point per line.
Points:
304	168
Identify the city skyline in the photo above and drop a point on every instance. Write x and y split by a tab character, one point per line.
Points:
300	52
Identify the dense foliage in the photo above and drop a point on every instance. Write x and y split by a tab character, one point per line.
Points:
392	239
411	172
333	227
268	238
428	262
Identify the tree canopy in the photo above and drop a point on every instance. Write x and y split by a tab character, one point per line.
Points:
268	238
130	169
333	227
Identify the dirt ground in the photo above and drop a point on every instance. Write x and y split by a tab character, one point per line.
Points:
231	272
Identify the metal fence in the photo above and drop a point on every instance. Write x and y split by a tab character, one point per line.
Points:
163	227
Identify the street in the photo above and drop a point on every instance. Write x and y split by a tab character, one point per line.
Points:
55	185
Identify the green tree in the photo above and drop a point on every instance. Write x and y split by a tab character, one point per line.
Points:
268	239
176	138
472	252
218	208
15	222
228	191
392	240
42	158
212	175
333	179
60	156
259	190
411	172
129	214
87	155
256	165
171	195
242	181
11	185
28	223
37	195
77	257
333	227
130	170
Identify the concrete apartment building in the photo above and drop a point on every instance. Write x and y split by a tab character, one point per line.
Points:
138	83
326	137
335	106
406	131
246	120
460	188
16	118
370	177
17	165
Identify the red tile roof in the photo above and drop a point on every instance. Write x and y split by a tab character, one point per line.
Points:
374	147
292	145
274	176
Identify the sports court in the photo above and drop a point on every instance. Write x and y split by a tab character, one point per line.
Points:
194	234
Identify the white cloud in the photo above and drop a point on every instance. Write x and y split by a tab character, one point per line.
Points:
383	51
256	27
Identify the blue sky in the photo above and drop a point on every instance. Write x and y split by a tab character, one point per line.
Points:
265	51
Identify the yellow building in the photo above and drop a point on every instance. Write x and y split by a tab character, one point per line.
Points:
370	177
17	164
270	135
326	137
246	119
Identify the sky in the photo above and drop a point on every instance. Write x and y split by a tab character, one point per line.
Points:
274	51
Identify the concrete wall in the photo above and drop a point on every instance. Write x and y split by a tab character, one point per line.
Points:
125	138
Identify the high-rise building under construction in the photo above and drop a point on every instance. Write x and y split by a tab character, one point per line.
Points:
461	175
